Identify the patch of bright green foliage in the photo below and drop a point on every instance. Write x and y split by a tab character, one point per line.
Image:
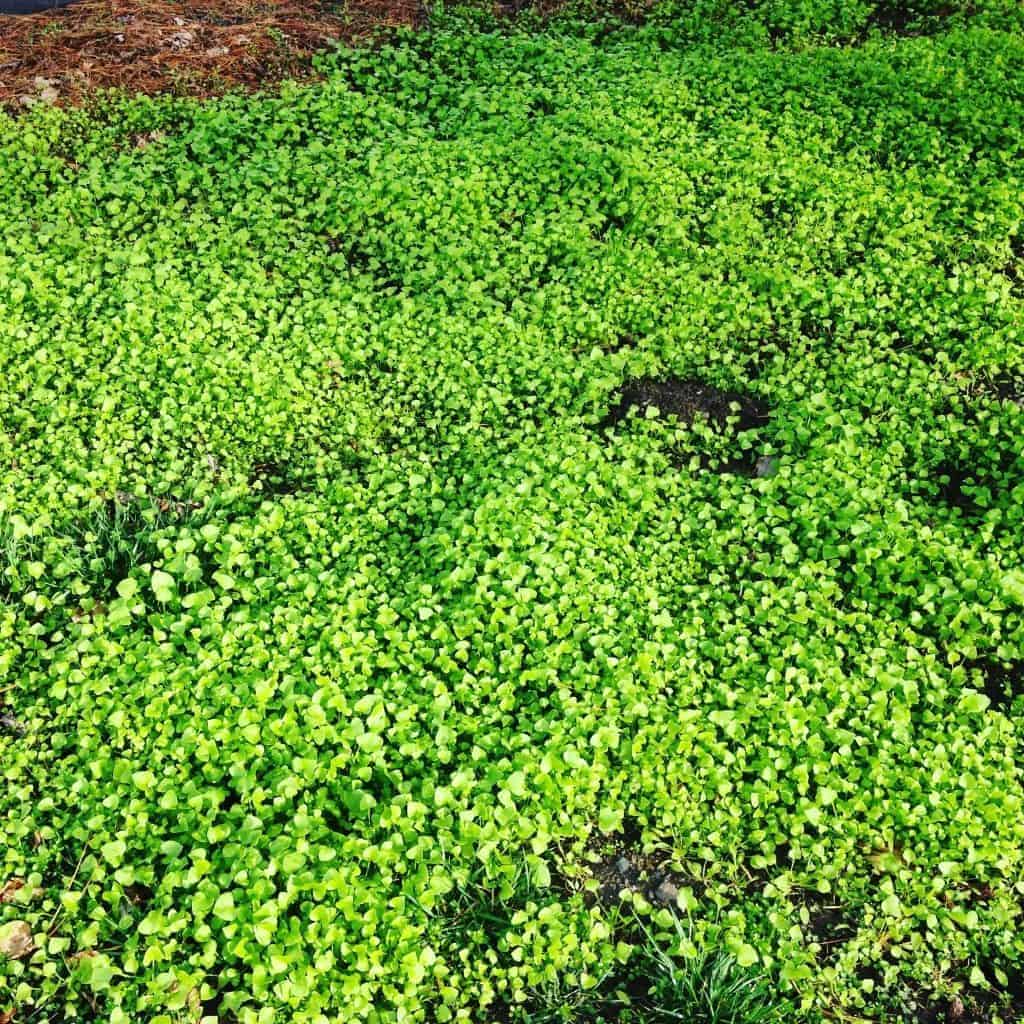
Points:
340	636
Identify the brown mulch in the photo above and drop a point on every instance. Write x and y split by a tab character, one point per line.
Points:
189	48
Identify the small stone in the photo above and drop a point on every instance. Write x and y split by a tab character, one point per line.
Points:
767	465
667	893
8	723
182	40
10	888
141	141
16	940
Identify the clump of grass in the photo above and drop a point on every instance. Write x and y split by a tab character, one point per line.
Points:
711	988
16	550
122	534
656	986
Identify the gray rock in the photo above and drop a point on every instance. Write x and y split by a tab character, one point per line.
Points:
667	893
16	940
182	40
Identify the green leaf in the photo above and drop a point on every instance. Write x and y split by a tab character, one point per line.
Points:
746	955
516	784
224	907
113	852
973	702
163	586
1013	585
891	906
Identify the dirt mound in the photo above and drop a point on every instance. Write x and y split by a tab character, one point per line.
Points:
687	398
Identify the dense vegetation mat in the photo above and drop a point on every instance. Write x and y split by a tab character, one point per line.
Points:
526	529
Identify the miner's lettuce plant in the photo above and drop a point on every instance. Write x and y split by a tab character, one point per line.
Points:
368	653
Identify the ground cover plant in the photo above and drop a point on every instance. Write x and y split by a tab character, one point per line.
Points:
526	528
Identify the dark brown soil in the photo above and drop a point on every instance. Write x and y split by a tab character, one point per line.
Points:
1003	682
1015	268
138	894
972	1005
951	480
829	923
274	477
686	399
193	47
621	343
619	864
976	1005
1009	389
974	486
1003	387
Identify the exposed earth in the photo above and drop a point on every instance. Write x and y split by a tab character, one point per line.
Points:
196	49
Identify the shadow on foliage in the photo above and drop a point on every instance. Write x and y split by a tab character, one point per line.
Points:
1002	682
275	477
907	19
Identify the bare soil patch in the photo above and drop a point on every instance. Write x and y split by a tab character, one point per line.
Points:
829	922
274	477
1003	682
198	48
686	399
